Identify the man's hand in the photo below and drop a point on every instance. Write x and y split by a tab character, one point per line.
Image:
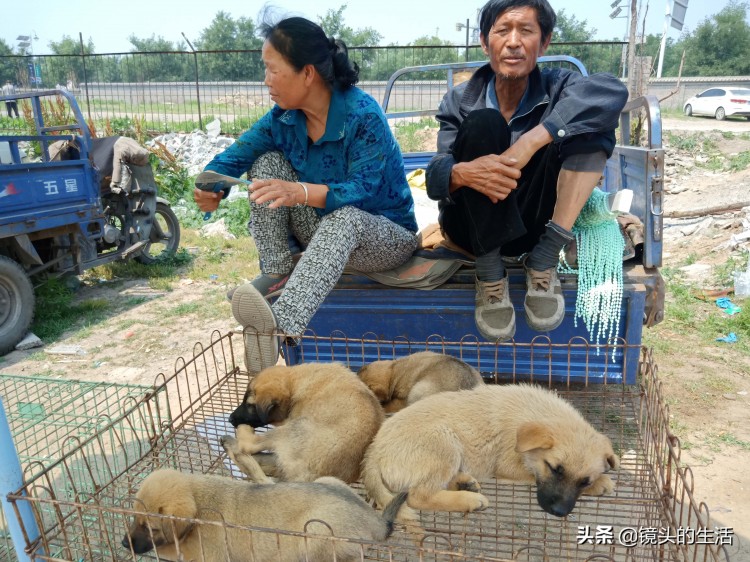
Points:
496	175
493	175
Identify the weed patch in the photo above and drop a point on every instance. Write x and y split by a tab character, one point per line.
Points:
56	313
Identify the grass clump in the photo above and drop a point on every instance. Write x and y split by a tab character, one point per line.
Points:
409	135
56	313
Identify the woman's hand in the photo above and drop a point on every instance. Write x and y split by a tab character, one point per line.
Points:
208	201
279	193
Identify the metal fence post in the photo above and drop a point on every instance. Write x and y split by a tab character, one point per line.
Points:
11	479
197	86
85	77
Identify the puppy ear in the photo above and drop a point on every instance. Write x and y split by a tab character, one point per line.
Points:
378	379
182	506
613	461
533	435
175	531
273	411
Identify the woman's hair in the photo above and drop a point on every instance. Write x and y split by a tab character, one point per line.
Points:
302	42
545	15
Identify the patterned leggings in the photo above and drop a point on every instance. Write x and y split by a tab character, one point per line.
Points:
347	236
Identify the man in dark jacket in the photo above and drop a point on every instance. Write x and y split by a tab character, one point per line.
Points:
519	152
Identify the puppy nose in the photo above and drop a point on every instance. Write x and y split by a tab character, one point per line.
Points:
126	542
558	510
233	420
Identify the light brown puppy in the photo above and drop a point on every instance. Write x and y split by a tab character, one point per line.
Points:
439	447
324	418
401	382
286	506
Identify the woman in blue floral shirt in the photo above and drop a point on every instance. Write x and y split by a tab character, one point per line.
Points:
325	166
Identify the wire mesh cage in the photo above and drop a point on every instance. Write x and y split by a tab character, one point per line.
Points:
48	417
651	515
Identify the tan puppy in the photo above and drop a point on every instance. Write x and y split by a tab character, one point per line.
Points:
401	382
439	447
286	506
325	418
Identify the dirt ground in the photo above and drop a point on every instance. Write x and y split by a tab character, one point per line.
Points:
146	339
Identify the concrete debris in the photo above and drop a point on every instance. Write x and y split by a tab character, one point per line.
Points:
697	272
738	239
193	150
691	229
66	350
218	228
30	341
214	128
674	189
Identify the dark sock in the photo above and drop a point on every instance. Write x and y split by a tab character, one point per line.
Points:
546	253
490	266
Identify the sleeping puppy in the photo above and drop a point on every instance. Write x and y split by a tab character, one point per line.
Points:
401	382
285	506
439	447
324	418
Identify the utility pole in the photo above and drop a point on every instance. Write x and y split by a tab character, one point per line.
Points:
675	16
467	39
633	87
667	18
468	27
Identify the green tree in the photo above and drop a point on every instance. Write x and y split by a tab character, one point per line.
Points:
158	59
10	68
68	67
570	28
424	50
155	44
225	34
595	57
720	44
333	24
360	39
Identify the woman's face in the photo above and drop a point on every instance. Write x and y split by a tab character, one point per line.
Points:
285	84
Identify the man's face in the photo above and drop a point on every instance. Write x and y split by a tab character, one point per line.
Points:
514	43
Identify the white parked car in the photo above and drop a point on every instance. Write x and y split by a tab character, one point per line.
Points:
721	102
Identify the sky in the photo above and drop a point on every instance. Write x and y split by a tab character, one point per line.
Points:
109	24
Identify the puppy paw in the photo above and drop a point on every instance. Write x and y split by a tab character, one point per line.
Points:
229	443
463	481
247	440
478	502
244	431
601	486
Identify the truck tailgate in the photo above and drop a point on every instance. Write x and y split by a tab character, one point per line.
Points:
42	195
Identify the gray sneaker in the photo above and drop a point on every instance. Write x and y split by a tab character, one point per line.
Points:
544	303
267	285
494	314
253	312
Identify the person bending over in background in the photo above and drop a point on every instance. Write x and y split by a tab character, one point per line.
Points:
325	166
519	152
